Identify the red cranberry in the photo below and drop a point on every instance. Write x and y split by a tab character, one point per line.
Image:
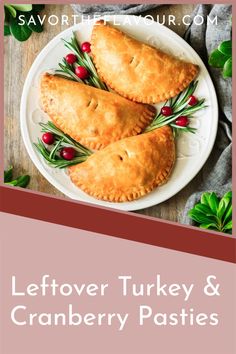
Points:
48	138
182	121
81	72
192	100
86	47
67	153
71	58
166	111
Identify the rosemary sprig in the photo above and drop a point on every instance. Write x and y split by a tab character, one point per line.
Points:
52	154
180	107
68	141
83	59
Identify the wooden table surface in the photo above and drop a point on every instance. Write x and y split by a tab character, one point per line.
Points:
18	58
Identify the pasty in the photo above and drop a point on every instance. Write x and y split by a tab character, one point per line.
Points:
91	116
136	70
127	169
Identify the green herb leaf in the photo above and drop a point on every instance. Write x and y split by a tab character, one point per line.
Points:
21	181
33	22
20	32
205	198
217	59
228	214
11	10
228	226
199	217
24	8
223	205
203	209
7	31
227	69
211	226
8	174
228	195
222	58
213	202
210	200
226	48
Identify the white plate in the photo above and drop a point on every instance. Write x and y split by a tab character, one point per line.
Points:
192	149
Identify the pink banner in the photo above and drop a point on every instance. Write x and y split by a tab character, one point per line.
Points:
110	295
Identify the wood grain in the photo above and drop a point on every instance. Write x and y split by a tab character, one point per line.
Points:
18	58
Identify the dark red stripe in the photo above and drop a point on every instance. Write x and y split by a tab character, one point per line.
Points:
118	224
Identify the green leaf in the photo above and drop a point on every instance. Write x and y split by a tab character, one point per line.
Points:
7	31
228	226
20	32
210	200
21	181
11	10
8	174
38	8
226	48
228	214
203	209
204	198
199	217
211	226
223	205
24	8
33	22
228	195
213	202
217	59
227	69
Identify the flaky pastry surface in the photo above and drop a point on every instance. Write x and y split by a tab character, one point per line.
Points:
91	116
136	70
127	169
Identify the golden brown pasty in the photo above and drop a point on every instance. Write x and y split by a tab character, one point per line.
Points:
136	70
127	169
91	116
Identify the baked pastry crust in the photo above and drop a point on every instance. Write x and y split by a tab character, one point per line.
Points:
91	116
129	168
136	70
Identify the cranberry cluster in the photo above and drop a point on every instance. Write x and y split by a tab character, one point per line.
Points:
181	121
71	58
67	153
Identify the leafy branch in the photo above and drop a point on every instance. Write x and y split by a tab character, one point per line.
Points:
222	58
21	20
213	213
